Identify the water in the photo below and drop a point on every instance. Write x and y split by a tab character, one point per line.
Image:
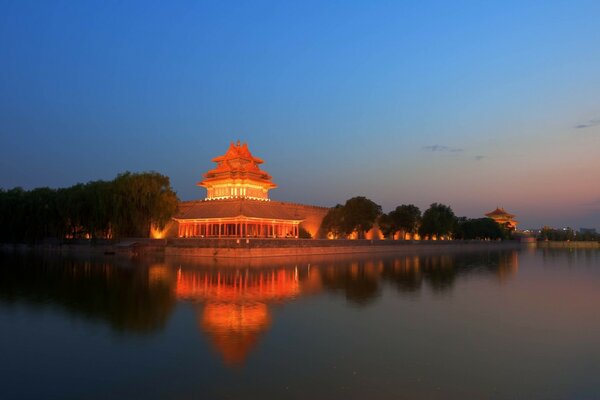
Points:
494	324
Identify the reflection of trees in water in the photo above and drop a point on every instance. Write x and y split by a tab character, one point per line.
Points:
359	281
404	273
97	290
140	298
441	272
571	256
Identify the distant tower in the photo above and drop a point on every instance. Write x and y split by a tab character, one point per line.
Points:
503	218
237	175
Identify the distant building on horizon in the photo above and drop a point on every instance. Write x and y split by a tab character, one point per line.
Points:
237	204
501	216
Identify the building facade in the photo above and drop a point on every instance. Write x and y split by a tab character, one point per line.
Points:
237	204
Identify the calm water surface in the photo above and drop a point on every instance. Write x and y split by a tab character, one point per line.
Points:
495	324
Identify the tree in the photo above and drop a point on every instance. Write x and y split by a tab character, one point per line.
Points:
386	225
303	233
406	218
127	206
480	228
359	215
332	222
438	220
142	201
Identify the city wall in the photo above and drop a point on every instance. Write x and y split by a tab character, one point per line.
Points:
257	248
241	248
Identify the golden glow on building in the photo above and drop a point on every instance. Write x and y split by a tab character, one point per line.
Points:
237	175
237	204
503	218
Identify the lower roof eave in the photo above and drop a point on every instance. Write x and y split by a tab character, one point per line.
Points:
239	218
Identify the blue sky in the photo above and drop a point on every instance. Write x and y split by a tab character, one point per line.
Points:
472	104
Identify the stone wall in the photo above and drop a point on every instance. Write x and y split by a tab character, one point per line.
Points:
239	248
312	217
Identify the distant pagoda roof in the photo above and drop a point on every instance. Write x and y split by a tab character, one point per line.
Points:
500	212
237	164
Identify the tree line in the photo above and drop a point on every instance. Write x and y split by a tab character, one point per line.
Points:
359	214
126	206
568	234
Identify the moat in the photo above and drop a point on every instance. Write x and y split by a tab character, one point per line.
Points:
495	323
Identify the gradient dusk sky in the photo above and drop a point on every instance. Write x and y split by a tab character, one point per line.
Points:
472	104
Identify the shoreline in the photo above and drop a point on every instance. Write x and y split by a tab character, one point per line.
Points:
261	248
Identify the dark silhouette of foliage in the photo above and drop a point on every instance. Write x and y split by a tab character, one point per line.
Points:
386	225
567	234
126	206
405	219
438	220
480	228
304	234
358	214
332	222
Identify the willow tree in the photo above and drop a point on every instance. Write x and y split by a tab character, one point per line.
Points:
141	201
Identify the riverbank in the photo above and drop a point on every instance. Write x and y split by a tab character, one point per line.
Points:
258	248
233	248
568	245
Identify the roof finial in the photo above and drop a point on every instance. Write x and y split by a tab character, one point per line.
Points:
238	143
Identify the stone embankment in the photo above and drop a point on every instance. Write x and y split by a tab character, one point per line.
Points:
239	248
252	247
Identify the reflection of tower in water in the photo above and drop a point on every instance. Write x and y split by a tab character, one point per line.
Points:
234	328
235	312
234	303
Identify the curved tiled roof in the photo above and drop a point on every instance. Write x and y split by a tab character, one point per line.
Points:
500	212
237	163
238	207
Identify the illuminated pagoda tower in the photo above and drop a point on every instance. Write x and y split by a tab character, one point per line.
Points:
503	218
237	204
237	175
